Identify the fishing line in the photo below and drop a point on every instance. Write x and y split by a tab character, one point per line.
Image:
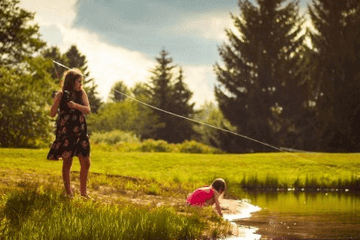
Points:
201	123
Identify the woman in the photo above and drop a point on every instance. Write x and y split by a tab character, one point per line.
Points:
71	103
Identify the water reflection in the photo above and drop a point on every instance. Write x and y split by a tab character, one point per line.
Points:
241	210
299	215
303	202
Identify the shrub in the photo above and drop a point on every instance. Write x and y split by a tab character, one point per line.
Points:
114	137
127	142
196	147
151	145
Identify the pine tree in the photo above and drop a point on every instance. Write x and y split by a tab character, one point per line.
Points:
336	75
54	54
166	95
77	60
116	96
182	129
160	92
260	88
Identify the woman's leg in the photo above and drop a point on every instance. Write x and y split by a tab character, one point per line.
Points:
85	167
66	174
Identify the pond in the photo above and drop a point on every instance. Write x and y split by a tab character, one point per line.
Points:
299	215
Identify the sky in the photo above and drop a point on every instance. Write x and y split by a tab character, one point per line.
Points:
122	38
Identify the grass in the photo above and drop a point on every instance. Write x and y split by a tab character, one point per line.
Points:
141	195
249	171
42	213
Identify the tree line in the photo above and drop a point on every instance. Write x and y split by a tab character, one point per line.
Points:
278	82
275	88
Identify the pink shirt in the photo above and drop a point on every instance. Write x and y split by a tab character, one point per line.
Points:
200	196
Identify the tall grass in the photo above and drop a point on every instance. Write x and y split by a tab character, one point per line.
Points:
39	213
309	184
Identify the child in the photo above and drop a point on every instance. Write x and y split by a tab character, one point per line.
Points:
71	104
206	196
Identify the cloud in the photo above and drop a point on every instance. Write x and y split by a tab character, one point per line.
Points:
206	26
55	12
200	79
51	34
107	62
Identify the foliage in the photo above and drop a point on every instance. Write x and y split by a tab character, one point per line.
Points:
24	120
171	97
261	89
125	116
196	147
113	137
104	142
116	96
18	38
181	129
54	54
24	84
211	115
151	145
335	73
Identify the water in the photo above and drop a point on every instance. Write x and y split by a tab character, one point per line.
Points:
290	215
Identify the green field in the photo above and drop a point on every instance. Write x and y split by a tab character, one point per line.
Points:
191	170
140	195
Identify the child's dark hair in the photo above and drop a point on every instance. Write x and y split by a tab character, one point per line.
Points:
219	185
70	77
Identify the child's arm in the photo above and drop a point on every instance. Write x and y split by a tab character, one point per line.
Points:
55	104
217	203
85	107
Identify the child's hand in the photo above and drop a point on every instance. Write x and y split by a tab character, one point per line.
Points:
71	104
58	95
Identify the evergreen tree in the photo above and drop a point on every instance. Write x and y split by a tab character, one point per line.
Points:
160	94
18	38
182	128
77	60
116	96
166	95
260	88
54	54
336	74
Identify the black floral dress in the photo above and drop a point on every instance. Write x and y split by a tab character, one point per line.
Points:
72	138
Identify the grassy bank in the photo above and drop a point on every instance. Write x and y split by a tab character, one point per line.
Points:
42	213
249	171
138	195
